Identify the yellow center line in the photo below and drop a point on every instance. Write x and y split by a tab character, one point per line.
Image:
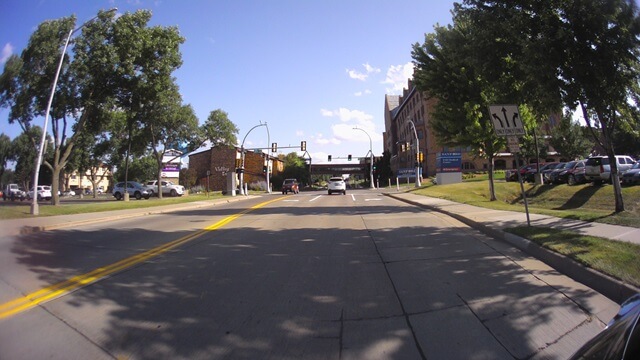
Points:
64	287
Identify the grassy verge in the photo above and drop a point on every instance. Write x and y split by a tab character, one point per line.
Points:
582	202
620	260
15	210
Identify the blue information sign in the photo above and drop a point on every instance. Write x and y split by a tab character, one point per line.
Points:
448	162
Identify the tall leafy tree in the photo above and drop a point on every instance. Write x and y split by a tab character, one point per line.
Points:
568	138
82	92
584	52
219	130
446	69
6	152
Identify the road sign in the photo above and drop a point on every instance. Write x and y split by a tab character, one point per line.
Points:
513	143
506	120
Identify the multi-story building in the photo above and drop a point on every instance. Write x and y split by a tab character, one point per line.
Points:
408	116
77	181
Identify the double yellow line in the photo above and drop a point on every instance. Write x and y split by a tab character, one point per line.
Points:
62	288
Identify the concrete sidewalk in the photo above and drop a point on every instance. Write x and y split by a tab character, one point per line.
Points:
493	222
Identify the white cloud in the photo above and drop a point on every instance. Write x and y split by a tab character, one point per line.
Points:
7	51
397	77
321	140
362	76
360	93
346	115
299	133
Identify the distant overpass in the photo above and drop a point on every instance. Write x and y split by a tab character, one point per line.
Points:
339	169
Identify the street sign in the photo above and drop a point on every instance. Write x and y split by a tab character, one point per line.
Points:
506	120
513	143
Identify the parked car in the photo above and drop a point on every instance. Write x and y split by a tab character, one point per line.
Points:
620	340
168	188
134	189
631	176
43	191
13	192
572	173
548	169
532	170
512	175
598	169
290	185
337	184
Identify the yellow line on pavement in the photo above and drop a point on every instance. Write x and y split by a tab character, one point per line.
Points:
54	291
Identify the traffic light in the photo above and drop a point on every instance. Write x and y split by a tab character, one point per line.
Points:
264	169
349	157
303	146
329	157
421	158
274	147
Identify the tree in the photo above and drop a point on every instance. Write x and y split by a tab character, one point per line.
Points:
140	169
6	152
446	69
569	139
83	92
383	167
219	130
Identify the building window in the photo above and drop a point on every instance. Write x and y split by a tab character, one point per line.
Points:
468	166
500	165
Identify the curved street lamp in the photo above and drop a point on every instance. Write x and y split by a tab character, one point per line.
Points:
242	157
34	205
417	153
371	154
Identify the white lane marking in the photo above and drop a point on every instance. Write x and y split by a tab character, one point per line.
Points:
290	200
372	199
353	197
315	198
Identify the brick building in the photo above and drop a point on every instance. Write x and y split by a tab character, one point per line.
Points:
221	160
414	109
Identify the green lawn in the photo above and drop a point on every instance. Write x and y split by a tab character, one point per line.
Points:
618	259
582	202
75	205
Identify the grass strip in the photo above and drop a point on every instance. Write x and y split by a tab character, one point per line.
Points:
618	259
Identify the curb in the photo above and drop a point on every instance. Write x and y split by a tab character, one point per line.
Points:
29	229
608	286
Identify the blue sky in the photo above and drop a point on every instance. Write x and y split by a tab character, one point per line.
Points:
312	70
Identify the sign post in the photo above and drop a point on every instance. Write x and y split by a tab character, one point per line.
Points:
507	122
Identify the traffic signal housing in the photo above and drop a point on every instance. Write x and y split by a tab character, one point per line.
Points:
349	157
303	146
329	157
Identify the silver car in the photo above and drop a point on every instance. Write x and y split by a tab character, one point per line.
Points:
134	189
337	184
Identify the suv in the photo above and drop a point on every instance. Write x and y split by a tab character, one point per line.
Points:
290	185
13	192
597	168
168	188
43	192
337	184
134	189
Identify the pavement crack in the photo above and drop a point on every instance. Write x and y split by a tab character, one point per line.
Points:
397	294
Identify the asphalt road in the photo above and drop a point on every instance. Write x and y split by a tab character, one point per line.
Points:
306	276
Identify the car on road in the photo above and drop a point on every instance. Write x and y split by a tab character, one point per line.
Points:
134	189
290	185
168	188
631	176
620	340
337	184
598	169
43	193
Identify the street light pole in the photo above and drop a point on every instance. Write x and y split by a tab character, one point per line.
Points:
34	205
417	153
242	157
373	186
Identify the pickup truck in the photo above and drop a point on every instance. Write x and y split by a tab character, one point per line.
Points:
168	188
